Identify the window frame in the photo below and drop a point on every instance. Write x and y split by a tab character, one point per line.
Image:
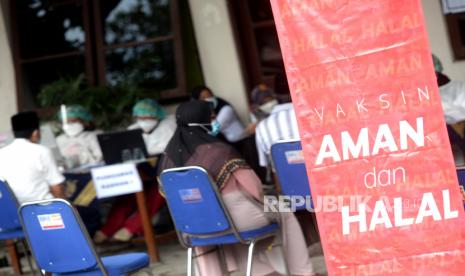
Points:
94	50
452	22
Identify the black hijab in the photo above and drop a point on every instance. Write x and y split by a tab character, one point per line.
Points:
196	91
442	79
193	146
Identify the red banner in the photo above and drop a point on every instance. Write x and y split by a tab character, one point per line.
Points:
376	148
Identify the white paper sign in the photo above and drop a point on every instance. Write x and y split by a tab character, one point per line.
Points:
453	6
116	180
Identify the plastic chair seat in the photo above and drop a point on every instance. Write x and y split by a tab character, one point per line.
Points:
117	265
12	234
230	238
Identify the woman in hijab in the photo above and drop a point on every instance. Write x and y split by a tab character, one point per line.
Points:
232	130
194	144
78	144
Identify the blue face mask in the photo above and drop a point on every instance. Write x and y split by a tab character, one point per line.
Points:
216	128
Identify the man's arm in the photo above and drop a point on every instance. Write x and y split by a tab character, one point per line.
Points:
58	190
262	158
53	176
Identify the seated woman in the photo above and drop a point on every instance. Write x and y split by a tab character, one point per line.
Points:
232	130
123	221
78	144
194	144
157	127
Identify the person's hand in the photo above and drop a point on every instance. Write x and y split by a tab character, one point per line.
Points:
250	129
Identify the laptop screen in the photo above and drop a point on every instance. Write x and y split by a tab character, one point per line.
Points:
122	146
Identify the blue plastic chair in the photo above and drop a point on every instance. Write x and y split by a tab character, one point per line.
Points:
61	245
10	226
201	218
289	165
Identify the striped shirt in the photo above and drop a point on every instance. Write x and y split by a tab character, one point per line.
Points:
281	124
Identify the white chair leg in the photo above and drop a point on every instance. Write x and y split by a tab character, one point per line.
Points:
189	261
250	258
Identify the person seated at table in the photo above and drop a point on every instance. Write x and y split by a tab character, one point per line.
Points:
28	167
123	221
157	127
194	144
78	144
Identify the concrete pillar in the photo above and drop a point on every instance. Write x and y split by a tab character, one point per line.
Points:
218	53
7	78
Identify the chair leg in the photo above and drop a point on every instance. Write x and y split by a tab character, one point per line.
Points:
223	263
15	263
189	261
28	258
250	258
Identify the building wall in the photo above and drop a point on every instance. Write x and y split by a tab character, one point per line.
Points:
218	53
439	39
219	56
7	79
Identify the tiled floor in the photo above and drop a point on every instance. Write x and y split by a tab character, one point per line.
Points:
173	260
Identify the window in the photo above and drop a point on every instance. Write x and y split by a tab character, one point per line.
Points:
261	53
110	42
138	44
456	26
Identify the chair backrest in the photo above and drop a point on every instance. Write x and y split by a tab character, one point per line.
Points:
9	219
57	237
194	201
289	164
461	178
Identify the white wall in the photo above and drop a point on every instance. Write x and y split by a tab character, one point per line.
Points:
439	40
218	53
7	80
219	56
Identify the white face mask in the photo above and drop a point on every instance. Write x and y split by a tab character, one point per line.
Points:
268	107
213	100
147	125
73	129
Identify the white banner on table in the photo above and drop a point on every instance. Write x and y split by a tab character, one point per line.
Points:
453	6
116	180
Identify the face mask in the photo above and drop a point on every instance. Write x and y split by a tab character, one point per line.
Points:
215	127
268	107
212	100
73	129
147	125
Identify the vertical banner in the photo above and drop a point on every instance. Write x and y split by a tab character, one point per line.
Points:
373	133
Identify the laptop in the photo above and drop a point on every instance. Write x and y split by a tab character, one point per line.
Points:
122	146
